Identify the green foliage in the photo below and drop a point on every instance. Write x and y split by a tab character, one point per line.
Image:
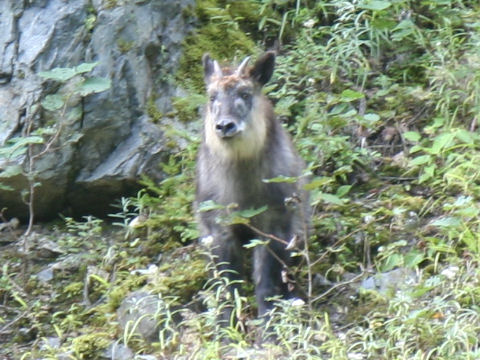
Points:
382	100
37	140
152	110
219	33
85	86
88	346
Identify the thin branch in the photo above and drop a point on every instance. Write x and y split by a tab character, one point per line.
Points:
343	238
3	330
270	236
336	286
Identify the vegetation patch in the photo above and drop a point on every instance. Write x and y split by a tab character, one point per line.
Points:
381	98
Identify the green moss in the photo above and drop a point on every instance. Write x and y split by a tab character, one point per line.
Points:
249	15
152	110
223	39
222	42
183	275
225	32
89	346
186	108
124	45
110	4
73	289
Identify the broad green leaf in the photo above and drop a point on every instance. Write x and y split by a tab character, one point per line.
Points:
465	136
209	205
471	240
233	220
249	213
413	258
421	160
424	177
412	136
371	117
403	29
392	261
75	138
85	67
463	200
428	173
374	5
281	179
4	187
255	242
58	74
49	130
94	85
441	142
10	171
331	199
317	183
53	102
14	152
468	212
350	95
416	148
343	190
26	140
19	145
430	170
447	221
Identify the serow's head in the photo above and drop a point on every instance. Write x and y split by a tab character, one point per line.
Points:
233	96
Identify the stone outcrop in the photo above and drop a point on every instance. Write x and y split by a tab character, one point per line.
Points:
111	140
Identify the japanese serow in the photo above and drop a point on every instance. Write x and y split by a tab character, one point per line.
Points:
244	145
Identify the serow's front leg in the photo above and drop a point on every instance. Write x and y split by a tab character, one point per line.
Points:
227	255
269	262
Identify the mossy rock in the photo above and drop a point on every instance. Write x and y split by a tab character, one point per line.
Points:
224	38
88	346
221	42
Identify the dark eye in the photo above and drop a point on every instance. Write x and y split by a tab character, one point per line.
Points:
245	96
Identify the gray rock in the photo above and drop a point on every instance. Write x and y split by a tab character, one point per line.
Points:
45	275
118	351
47	249
144	315
50	343
390	281
110	140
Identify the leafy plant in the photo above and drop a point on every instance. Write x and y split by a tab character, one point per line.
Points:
381	98
36	142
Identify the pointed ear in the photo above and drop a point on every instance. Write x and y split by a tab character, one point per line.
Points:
262	70
210	68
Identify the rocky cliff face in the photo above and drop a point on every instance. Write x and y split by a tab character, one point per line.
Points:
111	140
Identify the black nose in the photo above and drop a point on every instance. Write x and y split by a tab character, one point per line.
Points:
226	128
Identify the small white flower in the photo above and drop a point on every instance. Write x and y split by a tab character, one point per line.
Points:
137	222
355	356
207	240
151	270
450	272
309	23
368	219
297	302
